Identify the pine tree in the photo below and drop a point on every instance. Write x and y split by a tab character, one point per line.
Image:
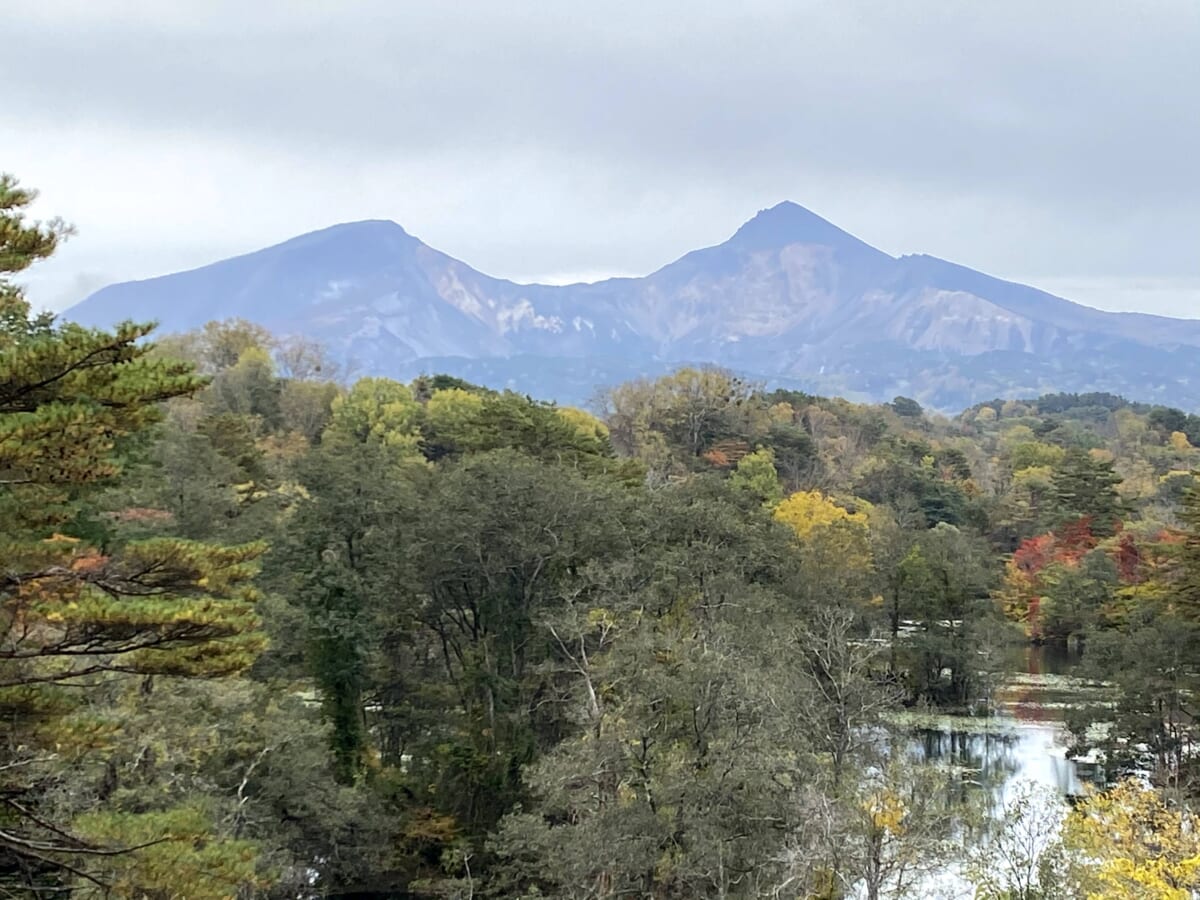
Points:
1085	487
1188	588
72	614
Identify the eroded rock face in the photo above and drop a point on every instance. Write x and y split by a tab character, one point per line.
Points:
789	296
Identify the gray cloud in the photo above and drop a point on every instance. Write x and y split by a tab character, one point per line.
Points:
533	138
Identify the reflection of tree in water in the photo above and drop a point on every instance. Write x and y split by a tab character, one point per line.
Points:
976	766
1026	699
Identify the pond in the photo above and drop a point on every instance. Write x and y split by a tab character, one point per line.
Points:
988	760
1026	738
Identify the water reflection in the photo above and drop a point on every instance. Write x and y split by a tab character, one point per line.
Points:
1025	740
993	762
978	769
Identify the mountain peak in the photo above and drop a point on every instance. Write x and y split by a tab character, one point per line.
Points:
790	223
355	240
370	229
789	296
368	225
787	210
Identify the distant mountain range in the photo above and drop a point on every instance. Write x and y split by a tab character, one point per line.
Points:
789	299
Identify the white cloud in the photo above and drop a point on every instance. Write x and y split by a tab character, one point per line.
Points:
528	138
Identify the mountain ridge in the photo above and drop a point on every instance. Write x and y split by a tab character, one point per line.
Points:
789	297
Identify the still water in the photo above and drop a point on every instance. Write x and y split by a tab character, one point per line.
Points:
987	760
1026	738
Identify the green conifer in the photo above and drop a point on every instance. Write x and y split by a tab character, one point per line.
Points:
74	615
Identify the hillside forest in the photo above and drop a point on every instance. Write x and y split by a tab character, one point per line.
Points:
273	631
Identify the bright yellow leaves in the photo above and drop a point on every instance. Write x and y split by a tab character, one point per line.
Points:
886	811
1133	846
833	538
1179	442
805	511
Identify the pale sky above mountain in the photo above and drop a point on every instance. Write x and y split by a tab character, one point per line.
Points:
1052	143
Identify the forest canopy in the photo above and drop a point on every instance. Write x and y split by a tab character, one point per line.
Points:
272	632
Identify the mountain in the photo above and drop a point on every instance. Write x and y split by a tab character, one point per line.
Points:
790	298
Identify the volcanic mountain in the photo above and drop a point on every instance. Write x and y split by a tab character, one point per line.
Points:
790	299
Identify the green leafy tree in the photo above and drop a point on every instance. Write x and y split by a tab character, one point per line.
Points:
1149	661
689	409
380	411
452	419
681	776
907	407
307	406
755	474
334	567
218	345
947	576
248	388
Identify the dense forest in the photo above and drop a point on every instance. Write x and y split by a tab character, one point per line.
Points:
274	631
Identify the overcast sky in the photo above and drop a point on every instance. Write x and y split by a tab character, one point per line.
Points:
1051	142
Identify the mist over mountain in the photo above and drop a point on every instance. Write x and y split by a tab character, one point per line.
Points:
789	298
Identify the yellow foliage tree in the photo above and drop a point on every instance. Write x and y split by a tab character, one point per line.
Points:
782	414
805	511
886	811
585	423
452	416
834	540
1132	845
378	410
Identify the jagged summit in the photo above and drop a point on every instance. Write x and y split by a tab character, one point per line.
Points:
789	297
